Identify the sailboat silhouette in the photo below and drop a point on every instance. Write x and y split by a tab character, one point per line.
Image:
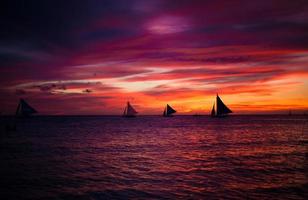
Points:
129	111
168	111
221	109
24	109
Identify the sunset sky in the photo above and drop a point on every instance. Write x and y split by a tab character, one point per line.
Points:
90	57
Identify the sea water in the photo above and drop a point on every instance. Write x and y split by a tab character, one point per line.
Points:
151	157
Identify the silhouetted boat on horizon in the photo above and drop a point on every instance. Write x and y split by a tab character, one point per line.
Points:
24	109
129	111
221	109
168	111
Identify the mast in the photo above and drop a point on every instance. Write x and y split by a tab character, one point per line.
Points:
164	113
124	113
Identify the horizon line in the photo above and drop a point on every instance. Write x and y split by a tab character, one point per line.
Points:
113	115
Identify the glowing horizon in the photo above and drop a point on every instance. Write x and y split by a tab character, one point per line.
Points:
254	55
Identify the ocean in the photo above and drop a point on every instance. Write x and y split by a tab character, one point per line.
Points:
151	157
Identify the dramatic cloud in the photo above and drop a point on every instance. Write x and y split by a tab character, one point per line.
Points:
99	54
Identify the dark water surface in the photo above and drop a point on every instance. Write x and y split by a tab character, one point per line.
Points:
184	157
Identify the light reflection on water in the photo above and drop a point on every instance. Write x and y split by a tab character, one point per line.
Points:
185	157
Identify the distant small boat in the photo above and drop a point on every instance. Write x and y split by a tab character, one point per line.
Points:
129	111
168	111
196	115
24	109
221	109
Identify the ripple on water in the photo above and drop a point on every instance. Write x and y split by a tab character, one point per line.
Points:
255	157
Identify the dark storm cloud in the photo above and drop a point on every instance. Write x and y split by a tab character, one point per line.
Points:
43	24
47	26
50	21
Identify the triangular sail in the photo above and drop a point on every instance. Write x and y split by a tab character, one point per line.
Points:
24	109
129	111
124	113
213	110
221	107
168	111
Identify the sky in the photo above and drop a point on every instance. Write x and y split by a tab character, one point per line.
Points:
90	57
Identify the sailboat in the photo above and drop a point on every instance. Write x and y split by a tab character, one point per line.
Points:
129	111
24	109
168	111
221	109
196	115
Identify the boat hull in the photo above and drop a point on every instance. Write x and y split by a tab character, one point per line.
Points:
219	116
129	116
